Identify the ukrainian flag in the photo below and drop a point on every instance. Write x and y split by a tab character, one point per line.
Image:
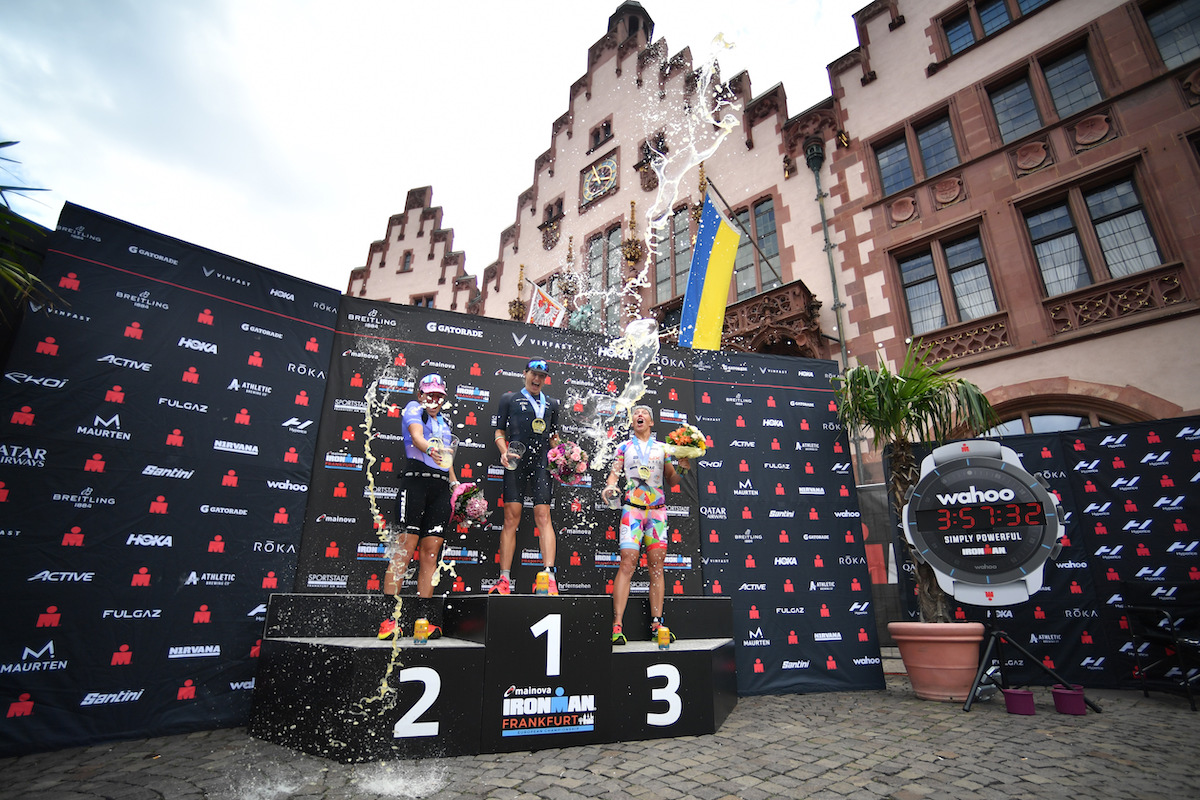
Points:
708	282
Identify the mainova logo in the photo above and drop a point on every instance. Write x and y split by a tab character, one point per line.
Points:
973	495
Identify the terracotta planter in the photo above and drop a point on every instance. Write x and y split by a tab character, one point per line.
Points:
941	658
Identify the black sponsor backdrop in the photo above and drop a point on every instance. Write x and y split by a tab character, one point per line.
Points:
158	433
775	494
1131	512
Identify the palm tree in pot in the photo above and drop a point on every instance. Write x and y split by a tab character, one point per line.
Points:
916	403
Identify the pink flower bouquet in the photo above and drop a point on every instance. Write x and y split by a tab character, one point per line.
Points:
469	506
568	463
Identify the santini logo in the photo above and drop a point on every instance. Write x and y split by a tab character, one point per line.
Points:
976	496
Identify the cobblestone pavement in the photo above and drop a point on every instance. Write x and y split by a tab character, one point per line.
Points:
880	744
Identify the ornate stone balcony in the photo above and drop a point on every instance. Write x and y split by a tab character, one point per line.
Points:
1152	290
967	338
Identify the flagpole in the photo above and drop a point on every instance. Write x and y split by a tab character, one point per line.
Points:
734	218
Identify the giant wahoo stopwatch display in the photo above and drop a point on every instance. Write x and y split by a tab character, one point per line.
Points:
984	524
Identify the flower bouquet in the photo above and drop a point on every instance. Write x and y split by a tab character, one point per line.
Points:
686	441
568	463
469	506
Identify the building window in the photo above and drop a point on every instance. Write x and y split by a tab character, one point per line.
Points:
1029	5
1115	242
752	273
955	265
1072	85
406	261
601	133
958	33
936	143
423	301
964	27
1016	113
1053	88
673	257
933	143
895	169
993	16
605	285
1176	31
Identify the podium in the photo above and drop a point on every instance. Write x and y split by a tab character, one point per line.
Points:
518	672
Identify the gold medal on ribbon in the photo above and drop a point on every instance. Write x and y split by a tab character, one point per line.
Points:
538	425
644	472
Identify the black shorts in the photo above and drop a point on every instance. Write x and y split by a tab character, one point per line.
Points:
423	504
517	482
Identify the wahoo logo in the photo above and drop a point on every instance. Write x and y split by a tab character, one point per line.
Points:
973	495
287	485
1126	484
1170	503
1088	466
242	685
197	344
1151	574
1137	526
1099	510
1114	441
1179	548
1156	459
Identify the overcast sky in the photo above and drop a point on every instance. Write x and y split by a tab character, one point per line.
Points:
286	132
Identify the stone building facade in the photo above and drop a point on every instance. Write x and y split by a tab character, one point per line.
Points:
1012	182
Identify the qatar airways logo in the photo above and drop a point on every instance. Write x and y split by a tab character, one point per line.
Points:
973	495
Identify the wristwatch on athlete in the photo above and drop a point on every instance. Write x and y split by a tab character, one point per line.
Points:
984	524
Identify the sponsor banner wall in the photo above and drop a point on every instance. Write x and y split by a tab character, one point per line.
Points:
157	432
780	525
775	492
1131	514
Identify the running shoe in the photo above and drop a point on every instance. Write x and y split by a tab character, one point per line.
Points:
388	628
654	626
502	587
618	636
553	584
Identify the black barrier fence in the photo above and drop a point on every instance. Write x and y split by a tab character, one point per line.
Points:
159	424
1131	513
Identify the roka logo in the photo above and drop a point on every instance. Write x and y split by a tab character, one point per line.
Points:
973	495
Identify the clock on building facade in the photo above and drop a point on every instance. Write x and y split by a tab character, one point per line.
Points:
598	179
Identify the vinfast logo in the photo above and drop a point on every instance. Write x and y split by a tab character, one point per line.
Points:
437	327
210	273
47	383
125	363
973	495
772	371
197	345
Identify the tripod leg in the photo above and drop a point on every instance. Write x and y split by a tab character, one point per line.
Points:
983	666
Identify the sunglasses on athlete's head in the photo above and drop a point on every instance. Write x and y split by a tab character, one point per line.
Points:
538	365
